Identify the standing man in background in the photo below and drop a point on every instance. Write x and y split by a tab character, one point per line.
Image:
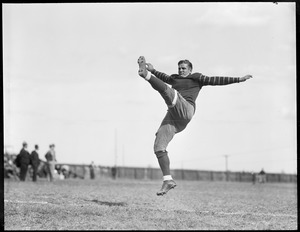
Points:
24	161
51	160
92	170
35	162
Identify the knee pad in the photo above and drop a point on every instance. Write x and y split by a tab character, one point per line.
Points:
160	154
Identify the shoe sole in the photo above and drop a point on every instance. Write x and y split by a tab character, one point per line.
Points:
163	193
142	66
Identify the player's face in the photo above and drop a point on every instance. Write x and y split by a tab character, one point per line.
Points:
183	70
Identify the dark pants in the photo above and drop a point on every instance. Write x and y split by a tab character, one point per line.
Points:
92	174
23	171
34	174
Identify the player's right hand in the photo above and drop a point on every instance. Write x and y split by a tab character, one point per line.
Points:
149	67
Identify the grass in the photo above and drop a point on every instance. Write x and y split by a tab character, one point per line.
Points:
104	204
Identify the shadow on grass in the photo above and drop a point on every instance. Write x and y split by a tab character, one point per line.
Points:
108	203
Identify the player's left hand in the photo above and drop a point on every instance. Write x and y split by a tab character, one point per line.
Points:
244	78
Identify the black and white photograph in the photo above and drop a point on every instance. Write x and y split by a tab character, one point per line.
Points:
149	116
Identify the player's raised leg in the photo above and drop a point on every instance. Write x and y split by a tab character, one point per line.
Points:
167	93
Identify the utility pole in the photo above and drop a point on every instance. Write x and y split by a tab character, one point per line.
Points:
226	167
226	163
116	146
123	154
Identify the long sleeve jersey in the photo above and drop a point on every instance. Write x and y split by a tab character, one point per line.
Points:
190	86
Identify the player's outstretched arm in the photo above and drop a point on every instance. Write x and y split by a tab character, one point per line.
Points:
244	78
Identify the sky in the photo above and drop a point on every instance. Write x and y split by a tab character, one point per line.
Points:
70	77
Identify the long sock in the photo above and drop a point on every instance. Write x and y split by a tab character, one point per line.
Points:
164	162
157	84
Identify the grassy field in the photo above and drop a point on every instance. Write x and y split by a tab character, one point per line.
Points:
104	204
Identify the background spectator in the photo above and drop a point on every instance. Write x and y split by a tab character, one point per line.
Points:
23	159
51	160
35	162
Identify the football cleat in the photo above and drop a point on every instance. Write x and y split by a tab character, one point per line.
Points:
167	185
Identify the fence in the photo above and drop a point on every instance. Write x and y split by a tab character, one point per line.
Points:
83	171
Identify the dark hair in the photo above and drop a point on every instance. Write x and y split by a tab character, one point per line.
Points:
36	146
186	62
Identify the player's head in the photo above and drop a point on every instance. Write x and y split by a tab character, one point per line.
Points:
36	147
185	68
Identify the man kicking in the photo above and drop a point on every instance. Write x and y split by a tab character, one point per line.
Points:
180	99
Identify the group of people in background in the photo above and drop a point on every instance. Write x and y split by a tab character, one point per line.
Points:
24	159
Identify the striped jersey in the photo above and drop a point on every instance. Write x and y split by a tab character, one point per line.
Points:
190	86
